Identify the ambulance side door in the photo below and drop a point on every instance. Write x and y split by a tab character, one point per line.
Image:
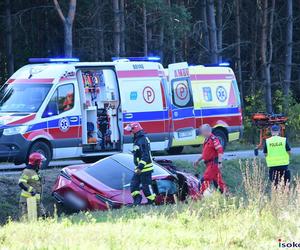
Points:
63	120
143	101
182	106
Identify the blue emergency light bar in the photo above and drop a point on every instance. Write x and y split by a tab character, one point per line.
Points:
222	64
53	60
139	59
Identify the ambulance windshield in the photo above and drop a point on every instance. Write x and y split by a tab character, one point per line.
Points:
22	97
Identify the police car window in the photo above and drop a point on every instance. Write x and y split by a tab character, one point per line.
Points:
23	97
181	93
62	100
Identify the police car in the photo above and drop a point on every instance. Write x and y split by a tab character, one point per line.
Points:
64	108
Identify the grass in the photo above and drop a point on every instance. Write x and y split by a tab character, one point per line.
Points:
253	217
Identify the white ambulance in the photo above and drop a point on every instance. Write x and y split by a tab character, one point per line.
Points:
67	109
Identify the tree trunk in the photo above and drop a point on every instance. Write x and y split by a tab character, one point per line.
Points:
220	28
9	39
253	55
68	25
145	30
288	55
267	51
161	42
117	37
238	50
204	25
123	27
100	54
212	31
68	45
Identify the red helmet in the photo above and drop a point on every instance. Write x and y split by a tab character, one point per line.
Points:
133	127
36	159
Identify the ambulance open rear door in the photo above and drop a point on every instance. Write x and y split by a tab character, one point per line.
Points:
182	106
100	109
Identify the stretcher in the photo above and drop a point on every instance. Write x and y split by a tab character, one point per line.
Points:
264	122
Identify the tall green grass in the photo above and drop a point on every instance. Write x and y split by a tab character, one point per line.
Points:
254	218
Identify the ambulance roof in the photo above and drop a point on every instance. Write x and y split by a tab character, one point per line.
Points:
200	69
53	72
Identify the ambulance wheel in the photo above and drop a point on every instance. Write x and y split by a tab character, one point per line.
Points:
44	149
175	150
222	137
91	159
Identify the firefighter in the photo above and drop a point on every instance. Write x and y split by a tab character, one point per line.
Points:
212	155
277	152
143	165
31	184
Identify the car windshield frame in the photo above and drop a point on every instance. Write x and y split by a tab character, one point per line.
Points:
9	89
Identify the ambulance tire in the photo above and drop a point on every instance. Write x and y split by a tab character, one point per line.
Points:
222	137
91	159
175	150
44	149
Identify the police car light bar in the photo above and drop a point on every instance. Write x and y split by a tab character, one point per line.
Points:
53	60
139	59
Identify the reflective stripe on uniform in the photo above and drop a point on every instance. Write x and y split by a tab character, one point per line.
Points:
136	147
148	167
35	177
151	197
135	193
142	162
28	195
24	178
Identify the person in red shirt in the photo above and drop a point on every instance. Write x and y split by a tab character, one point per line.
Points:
212	155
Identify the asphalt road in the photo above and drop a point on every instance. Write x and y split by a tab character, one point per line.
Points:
231	155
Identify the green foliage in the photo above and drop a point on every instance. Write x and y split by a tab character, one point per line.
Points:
253	104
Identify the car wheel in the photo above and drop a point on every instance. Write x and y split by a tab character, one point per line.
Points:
91	159
175	150
221	136
44	149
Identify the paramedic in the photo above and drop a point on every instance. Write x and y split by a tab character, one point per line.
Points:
31	184
143	165
212	155
69	101
277	152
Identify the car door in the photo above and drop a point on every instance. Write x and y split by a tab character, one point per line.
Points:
63	121
183	116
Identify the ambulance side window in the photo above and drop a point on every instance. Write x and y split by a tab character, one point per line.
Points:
61	101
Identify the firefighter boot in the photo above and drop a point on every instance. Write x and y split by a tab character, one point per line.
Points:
137	200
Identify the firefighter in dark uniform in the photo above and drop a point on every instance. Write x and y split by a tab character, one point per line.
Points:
212	155
31	184
143	165
277	152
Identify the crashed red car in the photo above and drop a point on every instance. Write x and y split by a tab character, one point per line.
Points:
106	184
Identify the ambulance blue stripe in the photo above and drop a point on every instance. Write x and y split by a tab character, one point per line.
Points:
146	116
216	111
183	113
53	124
